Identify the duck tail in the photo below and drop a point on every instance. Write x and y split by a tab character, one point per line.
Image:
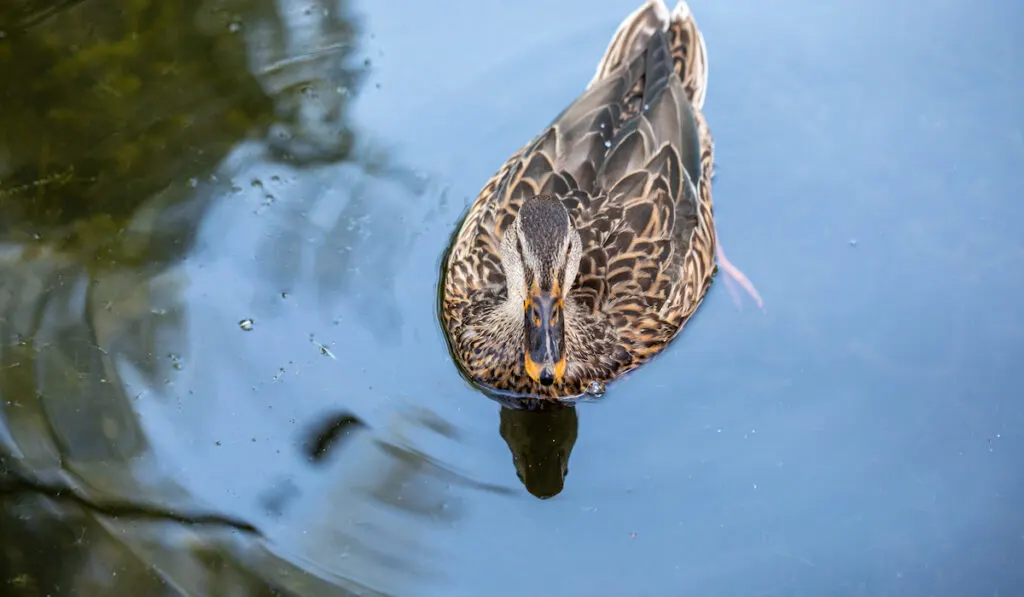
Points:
686	43
689	54
632	36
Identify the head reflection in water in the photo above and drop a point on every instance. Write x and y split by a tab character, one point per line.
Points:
540	441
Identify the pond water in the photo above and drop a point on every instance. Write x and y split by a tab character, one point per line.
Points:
221	370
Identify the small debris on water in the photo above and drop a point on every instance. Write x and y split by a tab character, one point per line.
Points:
853	242
246	325
595	389
323	349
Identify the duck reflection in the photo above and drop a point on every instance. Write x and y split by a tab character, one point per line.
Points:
541	437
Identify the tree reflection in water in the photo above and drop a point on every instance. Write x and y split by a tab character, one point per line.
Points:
123	134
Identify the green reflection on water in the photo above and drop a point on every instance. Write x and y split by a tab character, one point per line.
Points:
107	103
109	112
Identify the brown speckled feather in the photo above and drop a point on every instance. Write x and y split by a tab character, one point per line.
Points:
631	159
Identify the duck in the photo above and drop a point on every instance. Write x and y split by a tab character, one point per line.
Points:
585	254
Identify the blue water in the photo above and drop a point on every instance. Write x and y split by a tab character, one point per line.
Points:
862	435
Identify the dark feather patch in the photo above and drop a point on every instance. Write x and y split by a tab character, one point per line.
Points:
545	224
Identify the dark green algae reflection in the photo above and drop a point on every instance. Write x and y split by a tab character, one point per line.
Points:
124	127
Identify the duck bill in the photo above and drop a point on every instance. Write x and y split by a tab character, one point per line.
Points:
545	338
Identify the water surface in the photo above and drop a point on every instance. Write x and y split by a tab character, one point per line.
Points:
221	371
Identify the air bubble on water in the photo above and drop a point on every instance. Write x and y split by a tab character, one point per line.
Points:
256	183
234	26
275	178
595	389
193	182
246	325
607	143
236	189
853	242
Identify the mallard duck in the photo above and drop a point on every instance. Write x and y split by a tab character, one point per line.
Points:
585	254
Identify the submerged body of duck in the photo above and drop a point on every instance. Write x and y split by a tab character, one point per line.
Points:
591	247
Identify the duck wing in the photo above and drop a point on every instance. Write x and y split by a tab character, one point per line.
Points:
625	157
